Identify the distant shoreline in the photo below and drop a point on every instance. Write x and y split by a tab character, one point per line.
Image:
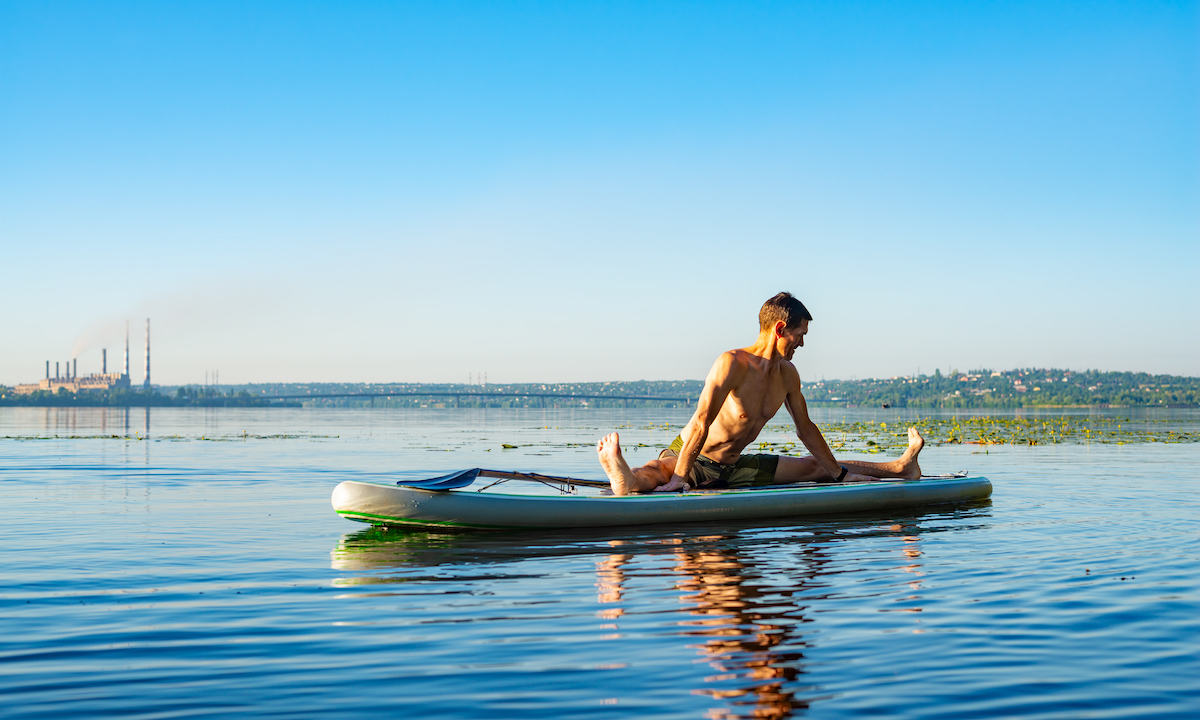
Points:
976	389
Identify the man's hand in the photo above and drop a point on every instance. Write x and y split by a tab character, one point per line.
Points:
675	484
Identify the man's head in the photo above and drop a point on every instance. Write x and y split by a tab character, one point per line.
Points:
785	320
783	307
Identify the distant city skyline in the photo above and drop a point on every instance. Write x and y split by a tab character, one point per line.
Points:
421	192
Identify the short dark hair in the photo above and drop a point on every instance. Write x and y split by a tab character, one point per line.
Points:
783	307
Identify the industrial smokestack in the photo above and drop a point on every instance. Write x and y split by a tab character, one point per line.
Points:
126	349
55	369
75	369
103	361
146	384
47	369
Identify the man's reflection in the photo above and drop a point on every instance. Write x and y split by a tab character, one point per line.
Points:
747	616
749	630
746	625
610	585
911	552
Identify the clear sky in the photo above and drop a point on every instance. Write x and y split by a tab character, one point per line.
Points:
575	191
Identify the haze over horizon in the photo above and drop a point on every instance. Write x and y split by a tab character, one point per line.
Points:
310	192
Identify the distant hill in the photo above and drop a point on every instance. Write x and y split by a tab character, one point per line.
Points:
1046	387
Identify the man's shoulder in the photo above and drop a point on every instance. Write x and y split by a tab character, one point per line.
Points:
747	359
735	359
730	366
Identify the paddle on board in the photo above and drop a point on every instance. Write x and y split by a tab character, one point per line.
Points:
463	478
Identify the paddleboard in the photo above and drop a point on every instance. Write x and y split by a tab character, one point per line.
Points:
573	507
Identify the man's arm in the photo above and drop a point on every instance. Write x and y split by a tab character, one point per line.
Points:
720	381
808	432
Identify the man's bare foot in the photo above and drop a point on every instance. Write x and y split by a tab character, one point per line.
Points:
618	472
909	469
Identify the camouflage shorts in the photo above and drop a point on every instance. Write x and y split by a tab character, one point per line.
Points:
708	474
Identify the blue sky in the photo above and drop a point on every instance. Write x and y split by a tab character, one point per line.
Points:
411	192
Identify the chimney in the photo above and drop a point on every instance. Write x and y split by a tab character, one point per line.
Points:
146	384
104	361
126	349
55	369
47	369
75	369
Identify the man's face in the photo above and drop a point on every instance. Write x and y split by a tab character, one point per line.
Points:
792	338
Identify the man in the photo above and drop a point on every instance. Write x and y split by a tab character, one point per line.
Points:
742	392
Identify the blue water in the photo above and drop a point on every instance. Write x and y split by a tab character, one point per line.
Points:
196	569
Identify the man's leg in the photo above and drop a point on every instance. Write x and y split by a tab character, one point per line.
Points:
807	469
624	479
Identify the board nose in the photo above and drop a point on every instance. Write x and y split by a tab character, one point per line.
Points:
342	496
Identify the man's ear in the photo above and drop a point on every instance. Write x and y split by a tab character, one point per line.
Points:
780	326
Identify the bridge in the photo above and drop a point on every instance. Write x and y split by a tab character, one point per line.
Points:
483	394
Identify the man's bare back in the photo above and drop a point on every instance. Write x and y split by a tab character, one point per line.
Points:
742	392
757	389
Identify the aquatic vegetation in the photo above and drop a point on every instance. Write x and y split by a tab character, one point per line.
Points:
877	437
994	430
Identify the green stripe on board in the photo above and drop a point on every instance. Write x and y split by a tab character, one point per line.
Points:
368	517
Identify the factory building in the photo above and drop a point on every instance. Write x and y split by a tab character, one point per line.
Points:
67	375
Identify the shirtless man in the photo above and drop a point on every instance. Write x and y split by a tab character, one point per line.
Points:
744	390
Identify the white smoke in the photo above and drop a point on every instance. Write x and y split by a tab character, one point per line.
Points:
107	333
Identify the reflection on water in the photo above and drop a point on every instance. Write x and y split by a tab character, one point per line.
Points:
85	421
751	620
750	628
740	607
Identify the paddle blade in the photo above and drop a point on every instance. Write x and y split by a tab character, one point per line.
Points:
453	481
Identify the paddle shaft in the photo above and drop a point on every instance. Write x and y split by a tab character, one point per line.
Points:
506	475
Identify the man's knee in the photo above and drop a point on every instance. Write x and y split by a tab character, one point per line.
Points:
652	474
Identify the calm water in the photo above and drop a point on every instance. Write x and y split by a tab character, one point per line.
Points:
197	570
